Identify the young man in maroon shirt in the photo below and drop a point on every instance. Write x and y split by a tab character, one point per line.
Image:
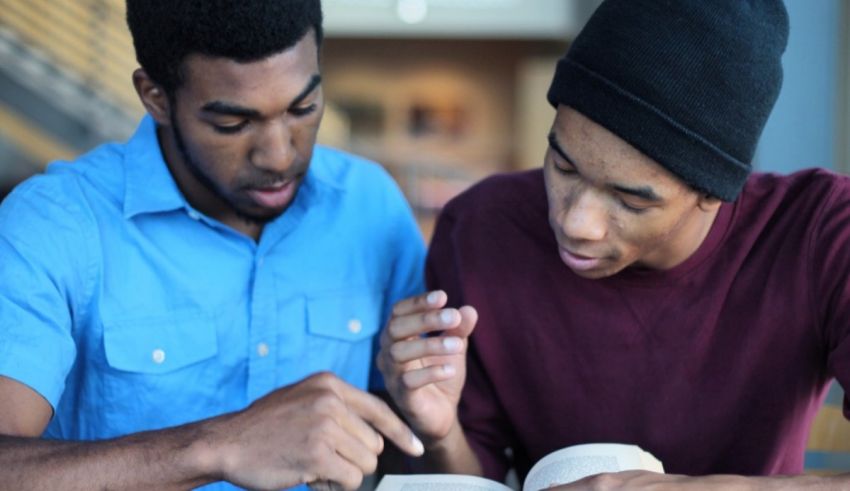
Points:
643	287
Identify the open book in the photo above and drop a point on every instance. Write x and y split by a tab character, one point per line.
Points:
559	467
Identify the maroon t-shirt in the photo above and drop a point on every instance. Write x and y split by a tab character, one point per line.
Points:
715	366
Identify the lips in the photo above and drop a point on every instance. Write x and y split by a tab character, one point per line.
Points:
578	262
277	195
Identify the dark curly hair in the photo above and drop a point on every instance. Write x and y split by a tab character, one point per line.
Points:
165	32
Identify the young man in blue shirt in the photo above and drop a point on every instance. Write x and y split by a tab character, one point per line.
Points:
200	303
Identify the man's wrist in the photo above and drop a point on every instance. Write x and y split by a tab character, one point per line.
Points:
447	442
206	452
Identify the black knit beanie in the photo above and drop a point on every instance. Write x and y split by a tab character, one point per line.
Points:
690	83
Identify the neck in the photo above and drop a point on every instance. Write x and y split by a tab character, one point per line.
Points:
197	193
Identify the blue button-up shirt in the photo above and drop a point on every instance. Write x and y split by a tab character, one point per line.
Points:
129	310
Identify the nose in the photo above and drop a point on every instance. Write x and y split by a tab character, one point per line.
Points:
275	148
584	217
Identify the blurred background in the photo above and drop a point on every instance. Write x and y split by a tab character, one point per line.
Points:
440	92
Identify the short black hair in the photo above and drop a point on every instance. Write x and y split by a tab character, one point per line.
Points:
165	32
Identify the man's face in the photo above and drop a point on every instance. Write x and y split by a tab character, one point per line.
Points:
242	134
612	207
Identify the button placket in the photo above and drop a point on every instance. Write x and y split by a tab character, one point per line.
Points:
261	366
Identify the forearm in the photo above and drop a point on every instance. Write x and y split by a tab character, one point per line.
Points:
175	458
802	483
452	455
775	483
639	480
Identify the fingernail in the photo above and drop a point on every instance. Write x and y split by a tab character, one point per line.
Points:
448	369
447	317
433	297
418	447
452	344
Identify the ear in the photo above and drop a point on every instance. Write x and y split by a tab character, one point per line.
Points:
153	97
708	203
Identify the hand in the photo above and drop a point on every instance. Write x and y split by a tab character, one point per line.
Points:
320	430
425	375
610	481
638	480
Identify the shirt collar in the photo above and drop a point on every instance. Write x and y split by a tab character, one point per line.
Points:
150	188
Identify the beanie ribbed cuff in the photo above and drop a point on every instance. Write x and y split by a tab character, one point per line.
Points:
683	152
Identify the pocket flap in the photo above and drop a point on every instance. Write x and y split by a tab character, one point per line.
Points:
348	317
159	344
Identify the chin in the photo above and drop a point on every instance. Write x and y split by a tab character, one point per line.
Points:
605	271
594	275
260	216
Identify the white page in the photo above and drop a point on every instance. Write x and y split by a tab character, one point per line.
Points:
438	482
579	461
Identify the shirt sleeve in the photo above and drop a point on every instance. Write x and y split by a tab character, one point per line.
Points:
41	274
830	263
407	248
480	413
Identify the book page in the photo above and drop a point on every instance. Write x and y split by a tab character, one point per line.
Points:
579	461
438	482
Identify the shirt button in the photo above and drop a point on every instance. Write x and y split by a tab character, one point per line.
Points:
354	326
261	261
262	349
158	356
194	215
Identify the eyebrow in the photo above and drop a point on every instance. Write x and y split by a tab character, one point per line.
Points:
229	109
643	192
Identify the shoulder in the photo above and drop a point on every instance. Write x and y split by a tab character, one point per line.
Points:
62	199
360	186
99	172
344	169
516	194
806	191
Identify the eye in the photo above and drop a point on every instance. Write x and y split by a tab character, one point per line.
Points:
303	111
565	171
563	167
230	129
632	209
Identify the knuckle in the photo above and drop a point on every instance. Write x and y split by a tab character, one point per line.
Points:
321	433
353	480
602	482
370	464
325	402
435	345
324	379
381	360
315	452
382	407
397	352
408	380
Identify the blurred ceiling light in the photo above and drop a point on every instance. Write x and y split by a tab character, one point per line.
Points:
412	11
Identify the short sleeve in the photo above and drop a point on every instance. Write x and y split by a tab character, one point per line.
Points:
479	411
42	269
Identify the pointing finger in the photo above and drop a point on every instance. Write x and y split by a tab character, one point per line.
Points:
378	414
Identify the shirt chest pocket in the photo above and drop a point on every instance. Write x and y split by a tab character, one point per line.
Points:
158	345
340	330
157	363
